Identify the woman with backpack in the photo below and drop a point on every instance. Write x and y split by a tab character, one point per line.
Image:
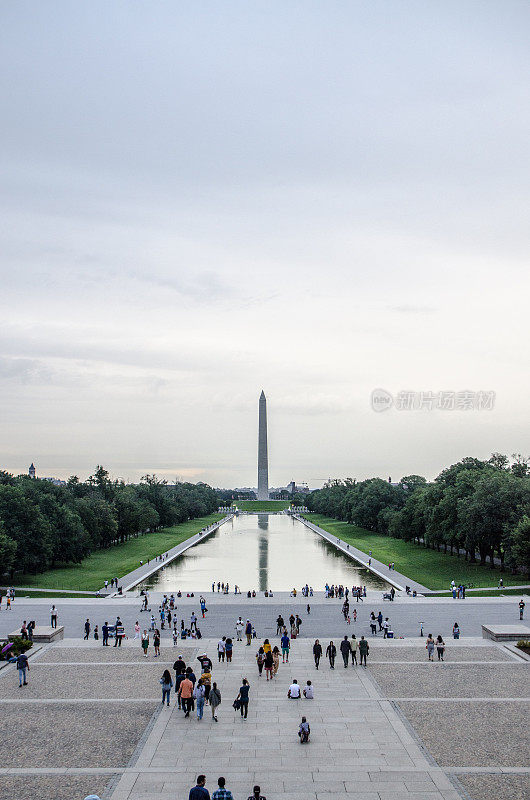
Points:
167	684
260	658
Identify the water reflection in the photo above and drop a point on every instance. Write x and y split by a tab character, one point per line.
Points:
261	552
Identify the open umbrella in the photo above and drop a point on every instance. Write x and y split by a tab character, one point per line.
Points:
7	647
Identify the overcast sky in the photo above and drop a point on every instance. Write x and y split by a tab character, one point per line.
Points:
201	200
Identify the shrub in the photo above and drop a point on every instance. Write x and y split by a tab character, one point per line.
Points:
20	645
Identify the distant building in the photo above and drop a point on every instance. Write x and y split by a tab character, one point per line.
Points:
31	470
55	481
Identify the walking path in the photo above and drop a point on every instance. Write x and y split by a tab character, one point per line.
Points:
138	575
393	577
110	729
359	745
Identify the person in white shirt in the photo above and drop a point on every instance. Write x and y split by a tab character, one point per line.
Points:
239	628
294	691
221	649
308	691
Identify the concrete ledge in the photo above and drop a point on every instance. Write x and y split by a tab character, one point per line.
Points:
43	633
505	633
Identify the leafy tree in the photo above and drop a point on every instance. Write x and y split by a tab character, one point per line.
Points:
520	545
8	549
24	523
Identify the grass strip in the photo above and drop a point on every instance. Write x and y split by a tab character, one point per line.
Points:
428	567
116	561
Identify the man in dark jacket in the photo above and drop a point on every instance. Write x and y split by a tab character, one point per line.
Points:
199	792
105	633
179	666
363	649
317	652
331	652
345	649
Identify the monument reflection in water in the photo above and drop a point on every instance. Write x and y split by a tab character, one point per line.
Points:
261	551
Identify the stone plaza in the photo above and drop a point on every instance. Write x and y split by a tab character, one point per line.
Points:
91	720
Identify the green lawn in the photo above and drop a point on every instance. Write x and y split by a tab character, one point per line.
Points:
428	567
117	561
52	596
262	505
488	593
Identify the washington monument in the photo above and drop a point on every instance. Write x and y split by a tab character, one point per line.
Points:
263	457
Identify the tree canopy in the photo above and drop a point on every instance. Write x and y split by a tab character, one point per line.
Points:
43	525
479	508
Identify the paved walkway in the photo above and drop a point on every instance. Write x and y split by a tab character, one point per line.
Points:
359	745
393	577
130	580
104	707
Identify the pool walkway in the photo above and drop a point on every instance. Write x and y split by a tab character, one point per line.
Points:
140	574
393	577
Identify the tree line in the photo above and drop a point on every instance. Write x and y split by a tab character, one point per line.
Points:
480	509
43	525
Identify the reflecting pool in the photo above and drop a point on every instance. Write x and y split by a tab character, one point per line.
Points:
261	551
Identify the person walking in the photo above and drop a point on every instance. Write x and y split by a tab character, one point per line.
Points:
206	678
286	644
243	697
136	630
167	684
199	792
521	608
429	646
345	649
53	616
199	695
239	629
145	642
156	642
276	659
229	646
87	629
23	667
119	633
215	700
269	664
440	647
105	634
248	632
221	649
222	793
280	624
331	652
317	652
260	658
354	646
364	649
